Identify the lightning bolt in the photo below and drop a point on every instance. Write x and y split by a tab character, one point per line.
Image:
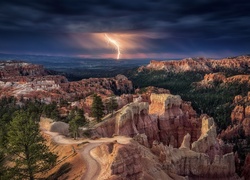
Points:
116	45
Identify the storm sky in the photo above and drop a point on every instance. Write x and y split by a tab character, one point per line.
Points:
160	29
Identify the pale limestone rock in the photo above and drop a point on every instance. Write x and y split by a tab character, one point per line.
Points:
186	142
162	102
207	140
168	123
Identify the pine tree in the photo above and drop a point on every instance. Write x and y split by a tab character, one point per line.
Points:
97	108
26	147
77	120
74	125
111	105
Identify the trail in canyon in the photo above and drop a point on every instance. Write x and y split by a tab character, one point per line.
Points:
92	165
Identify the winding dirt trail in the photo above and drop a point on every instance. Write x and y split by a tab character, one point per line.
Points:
93	166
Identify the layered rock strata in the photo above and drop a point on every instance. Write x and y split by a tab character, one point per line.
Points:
54	88
214	79
191	161
167	119
241	63
240	119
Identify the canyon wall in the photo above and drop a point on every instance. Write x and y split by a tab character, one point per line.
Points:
240	119
241	63
166	119
203	159
214	79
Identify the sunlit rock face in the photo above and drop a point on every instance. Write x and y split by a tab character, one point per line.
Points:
204	158
240	63
212	80
166	119
120	161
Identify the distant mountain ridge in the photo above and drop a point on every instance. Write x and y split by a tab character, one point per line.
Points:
241	63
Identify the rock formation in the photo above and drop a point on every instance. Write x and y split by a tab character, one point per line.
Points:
241	63
146	92
214	79
11	69
240	119
238	114
137	161
53	88
205	160
121	161
60	127
167	119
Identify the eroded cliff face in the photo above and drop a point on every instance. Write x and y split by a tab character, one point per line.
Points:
191	161
11	69
53	88
166	119
169	134
120	161
240	63
240	119
205	158
214	79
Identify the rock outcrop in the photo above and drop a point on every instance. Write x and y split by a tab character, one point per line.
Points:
167	119
241	63
60	127
238	114
120	161
11	69
137	161
214	79
85	87
207	143
240	119
54	88
205	160
21	79
145	93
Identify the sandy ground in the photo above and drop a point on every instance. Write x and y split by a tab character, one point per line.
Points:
93	167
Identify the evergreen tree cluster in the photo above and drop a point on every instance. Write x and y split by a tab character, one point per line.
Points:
20	140
98	107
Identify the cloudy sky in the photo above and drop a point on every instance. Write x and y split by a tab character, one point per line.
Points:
160	29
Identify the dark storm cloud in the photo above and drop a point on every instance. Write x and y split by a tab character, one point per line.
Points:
197	25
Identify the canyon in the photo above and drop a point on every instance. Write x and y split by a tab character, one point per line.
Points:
152	134
184	143
26	80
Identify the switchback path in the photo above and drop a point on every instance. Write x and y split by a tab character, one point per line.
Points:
93	167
